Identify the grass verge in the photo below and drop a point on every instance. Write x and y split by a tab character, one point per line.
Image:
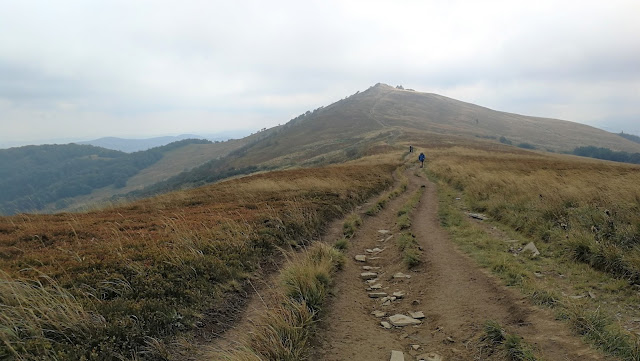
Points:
382	201
284	332
549	281
406	241
512	345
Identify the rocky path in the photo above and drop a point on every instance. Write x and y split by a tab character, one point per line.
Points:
382	311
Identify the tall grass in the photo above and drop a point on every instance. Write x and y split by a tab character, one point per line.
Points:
284	331
406	241
36	317
567	244
145	273
588	208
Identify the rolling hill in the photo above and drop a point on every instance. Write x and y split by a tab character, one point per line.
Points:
364	123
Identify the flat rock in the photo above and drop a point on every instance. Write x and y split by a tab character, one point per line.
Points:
386	325
417	315
388	298
399	320
531	247
401	275
379	314
361	258
478	216
431	356
415	347
377	286
368	250
386	302
398	294
368	275
388	238
377	294
370	268
383	231
397	356
377	250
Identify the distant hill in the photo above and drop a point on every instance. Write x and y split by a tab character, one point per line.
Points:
631	137
365	123
136	145
34	177
384	116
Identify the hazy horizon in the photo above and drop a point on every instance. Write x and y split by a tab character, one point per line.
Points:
84	70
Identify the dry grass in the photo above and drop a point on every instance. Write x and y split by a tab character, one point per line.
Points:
581	214
151	268
589	208
284	331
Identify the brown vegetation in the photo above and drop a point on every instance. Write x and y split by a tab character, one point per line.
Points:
133	278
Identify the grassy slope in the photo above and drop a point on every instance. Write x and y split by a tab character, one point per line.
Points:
172	163
582	215
132	278
436	113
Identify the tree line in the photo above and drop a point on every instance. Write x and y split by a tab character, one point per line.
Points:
607	154
33	177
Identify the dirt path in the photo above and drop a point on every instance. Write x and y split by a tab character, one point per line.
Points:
456	296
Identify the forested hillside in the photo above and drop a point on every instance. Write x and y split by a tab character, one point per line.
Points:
32	177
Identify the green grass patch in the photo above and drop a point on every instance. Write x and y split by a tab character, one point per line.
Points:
512	345
351	225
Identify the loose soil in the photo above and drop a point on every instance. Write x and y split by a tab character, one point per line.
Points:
456	296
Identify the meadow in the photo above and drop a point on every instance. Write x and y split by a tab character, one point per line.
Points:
139	281
582	214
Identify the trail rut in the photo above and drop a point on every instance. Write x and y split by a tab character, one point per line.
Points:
456	296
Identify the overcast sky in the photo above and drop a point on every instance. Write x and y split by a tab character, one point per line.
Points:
86	69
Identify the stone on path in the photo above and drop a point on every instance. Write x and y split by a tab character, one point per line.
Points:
531	247
370	268
388	238
386	325
417	315
368	275
415	347
383	231
398	294
379	314
397	356
478	216
372	281
377	286
377	294
401	275
399	320
361	258
431	356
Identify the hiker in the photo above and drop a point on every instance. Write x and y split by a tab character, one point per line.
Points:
421	159
411	149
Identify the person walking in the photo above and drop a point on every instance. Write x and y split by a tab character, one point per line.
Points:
421	158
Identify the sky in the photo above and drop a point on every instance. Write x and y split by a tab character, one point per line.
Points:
79	70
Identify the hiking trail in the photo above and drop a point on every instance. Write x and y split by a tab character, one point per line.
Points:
448	293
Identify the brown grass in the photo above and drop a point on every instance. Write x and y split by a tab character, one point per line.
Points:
151	268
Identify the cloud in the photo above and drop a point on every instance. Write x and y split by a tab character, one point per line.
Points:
74	68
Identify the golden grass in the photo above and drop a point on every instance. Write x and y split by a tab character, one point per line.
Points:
151	268
284	330
581	214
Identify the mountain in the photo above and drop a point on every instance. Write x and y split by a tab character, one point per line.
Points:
365	123
35	177
136	145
